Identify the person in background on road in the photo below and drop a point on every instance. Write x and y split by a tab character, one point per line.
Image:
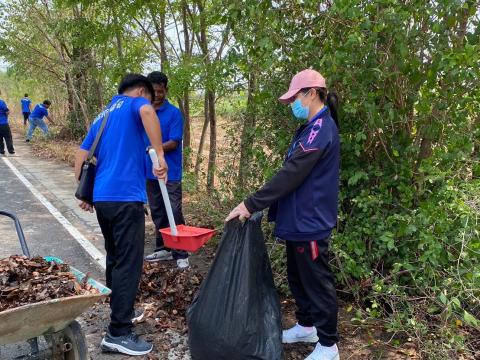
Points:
119	197
5	132
171	122
303	197
26	108
36	119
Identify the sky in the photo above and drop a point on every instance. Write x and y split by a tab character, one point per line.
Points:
3	64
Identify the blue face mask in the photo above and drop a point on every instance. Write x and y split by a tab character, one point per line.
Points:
299	111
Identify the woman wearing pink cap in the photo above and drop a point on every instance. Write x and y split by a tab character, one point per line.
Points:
302	197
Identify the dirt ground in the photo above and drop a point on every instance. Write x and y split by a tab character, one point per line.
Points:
358	342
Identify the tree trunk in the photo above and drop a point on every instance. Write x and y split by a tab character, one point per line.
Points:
186	132
97	89
70	97
475	129
213	141
160	30
202	138
465	15
81	102
186	36
187	141
247	132
210	99
118	38
163	49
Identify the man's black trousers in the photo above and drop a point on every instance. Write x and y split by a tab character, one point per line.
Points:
312	285
6	134
26	115
123	227
159	213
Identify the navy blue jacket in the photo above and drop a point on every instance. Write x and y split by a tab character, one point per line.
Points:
303	194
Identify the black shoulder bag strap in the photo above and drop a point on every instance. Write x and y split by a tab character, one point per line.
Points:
86	180
97	137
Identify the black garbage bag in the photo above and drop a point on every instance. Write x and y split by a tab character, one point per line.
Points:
236	313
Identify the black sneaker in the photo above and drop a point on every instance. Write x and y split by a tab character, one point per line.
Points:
11	153
27	140
129	344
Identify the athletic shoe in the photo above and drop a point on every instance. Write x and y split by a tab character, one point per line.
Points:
324	353
299	333
159	256
183	263
27	140
129	344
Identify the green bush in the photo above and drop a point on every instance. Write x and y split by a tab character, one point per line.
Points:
407	243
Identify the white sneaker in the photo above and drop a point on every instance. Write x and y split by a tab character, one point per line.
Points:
299	333
183	263
159	256
324	353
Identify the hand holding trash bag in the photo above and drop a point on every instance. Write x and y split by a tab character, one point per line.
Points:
240	211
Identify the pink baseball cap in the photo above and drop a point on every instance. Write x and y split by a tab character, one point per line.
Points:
307	78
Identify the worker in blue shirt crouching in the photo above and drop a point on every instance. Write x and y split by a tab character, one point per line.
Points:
36	119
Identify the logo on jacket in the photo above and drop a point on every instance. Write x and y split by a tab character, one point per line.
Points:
315	129
300	249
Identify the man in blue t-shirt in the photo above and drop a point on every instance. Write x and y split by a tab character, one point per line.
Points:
119	197
36	119
171	122
26	108
5	132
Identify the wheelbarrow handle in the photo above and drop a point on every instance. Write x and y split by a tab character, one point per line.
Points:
18	227
166	198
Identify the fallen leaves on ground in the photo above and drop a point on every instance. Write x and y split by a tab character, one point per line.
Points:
166	292
29	280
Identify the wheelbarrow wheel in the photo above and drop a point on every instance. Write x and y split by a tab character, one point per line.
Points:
75	342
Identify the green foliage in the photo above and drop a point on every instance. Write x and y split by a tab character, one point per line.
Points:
407	76
407	243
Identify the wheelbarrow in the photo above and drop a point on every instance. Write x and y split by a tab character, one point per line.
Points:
52	319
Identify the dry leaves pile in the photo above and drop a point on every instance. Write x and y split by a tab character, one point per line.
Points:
166	292
26	281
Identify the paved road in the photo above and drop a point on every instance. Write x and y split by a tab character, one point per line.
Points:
53	187
44	233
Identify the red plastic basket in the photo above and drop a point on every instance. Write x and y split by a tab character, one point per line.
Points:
188	238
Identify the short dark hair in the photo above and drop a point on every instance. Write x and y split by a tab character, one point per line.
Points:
47	102
26	95
133	81
158	77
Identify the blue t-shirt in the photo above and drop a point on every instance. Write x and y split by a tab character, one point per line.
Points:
39	112
120	152
171	123
26	104
3	113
